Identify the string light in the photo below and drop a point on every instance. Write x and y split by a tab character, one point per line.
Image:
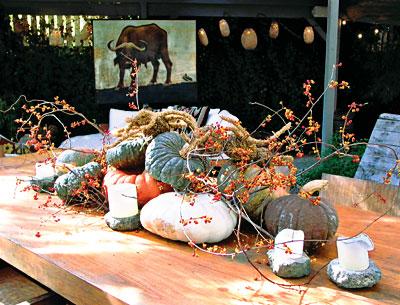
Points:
249	39
344	22
308	35
376	31
203	37
274	30
224	28
359	35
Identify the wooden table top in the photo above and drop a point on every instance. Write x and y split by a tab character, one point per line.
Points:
82	259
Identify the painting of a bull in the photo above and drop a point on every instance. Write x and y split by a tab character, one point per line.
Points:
146	43
153	43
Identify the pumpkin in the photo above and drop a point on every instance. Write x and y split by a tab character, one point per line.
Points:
128	154
147	187
67	184
165	164
227	173
44	184
294	212
162	216
257	195
69	159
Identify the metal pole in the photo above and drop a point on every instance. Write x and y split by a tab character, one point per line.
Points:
331	59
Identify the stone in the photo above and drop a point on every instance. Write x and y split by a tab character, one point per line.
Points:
289	267
353	279
123	224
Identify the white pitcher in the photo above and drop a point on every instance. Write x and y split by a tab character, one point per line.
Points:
353	252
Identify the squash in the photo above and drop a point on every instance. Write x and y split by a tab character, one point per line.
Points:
69	159
257	194
294	212
44	184
67	184
147	187
228	172
165	164
128	155
162	216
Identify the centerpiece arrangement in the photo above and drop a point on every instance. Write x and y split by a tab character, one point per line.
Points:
199	184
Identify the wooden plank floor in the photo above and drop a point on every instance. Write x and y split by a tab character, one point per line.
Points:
80	258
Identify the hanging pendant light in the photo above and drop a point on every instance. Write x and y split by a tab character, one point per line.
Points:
249	39
203	37
224	28
308	35
274	30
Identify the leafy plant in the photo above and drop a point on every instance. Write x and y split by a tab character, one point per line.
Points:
337	165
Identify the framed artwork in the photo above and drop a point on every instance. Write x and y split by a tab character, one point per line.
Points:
165	51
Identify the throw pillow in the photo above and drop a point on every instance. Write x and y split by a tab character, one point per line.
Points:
118	118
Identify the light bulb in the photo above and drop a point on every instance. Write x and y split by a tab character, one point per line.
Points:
203	37
274	30
224	28
249	39
308	34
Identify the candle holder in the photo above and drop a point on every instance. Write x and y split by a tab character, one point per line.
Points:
353	268
44	170
124	212
45	176
287	259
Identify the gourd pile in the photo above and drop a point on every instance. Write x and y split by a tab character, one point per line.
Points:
169	160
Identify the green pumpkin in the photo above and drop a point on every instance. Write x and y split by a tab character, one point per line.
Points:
257	195
128	155
44	184
294	212
228	172
69	159
164	163
66	184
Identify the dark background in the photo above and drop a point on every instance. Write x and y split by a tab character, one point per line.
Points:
229	77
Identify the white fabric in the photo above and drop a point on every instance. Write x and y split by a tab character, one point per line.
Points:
214	118
90	141
117	118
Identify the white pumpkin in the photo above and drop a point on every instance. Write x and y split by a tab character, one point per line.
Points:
162	216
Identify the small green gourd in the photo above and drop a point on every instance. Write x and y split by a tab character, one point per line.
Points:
67	184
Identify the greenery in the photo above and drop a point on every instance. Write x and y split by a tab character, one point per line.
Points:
341	166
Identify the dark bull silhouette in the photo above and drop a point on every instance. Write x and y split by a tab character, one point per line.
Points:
146	43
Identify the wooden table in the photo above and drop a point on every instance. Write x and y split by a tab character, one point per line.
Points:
80	258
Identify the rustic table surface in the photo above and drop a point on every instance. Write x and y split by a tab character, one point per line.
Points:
80	258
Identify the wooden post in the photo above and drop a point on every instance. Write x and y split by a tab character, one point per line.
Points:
331	59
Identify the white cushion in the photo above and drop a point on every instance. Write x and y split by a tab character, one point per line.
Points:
213	111
91	141
215	117
118	118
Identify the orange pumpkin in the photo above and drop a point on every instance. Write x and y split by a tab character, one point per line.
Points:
147	187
